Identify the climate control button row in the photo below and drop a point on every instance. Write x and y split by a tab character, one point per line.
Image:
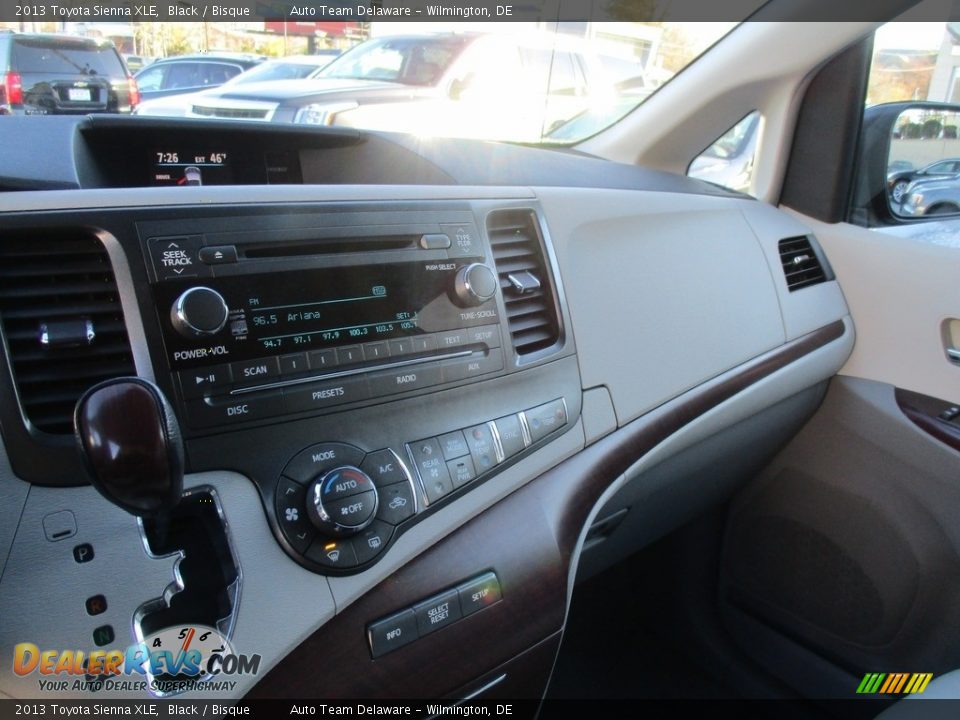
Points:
337	506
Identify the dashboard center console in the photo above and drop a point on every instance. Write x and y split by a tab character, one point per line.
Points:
264	319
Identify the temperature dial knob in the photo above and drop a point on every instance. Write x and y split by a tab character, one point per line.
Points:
342	501
475	284
199	311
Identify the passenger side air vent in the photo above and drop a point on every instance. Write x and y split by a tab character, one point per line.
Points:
62	322
522	268
801	263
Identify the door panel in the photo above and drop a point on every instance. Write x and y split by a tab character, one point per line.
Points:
847	546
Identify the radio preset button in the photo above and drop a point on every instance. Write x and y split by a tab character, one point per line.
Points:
203	381
396	503
255	372
323	360
376	350
316	396
294	364
403	346
477	364
383	468
350	354
316	459
413	377
228	410
424	343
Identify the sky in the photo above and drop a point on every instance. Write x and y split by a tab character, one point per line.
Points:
910	36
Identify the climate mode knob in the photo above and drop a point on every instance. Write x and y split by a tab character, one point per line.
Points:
199	311
342	501
475	284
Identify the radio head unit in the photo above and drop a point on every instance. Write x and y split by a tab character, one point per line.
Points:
261	324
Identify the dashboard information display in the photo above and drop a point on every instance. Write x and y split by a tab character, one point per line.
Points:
176	167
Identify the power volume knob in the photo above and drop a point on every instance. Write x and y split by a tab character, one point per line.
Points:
199	311
342	501
475	284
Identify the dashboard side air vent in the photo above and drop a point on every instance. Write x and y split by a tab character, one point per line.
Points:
518	253
62	322
802	264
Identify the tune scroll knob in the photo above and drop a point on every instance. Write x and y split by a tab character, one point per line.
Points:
342	501
475	284
199	311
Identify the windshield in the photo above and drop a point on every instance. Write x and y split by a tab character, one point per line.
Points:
548	83
412	61
280	70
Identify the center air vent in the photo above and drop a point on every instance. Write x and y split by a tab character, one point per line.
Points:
62	322
801	264
519	256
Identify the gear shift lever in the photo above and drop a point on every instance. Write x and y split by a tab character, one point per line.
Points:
130	441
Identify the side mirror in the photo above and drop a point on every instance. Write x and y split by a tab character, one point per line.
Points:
909	164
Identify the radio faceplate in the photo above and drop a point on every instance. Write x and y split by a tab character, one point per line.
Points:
260	324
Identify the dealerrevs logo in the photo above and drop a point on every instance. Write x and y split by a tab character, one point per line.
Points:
169	661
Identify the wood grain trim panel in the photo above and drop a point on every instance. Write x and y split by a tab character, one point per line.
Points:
924	410
528	538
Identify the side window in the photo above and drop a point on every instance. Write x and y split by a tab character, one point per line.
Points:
151	79
729	160
183	75
217	73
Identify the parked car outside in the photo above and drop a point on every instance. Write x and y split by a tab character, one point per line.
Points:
931	196
898	181
510	87
192	73
46	74
295	67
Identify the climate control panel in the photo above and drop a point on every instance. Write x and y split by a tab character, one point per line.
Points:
339	507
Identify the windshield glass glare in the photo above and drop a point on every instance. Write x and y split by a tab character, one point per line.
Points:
551	83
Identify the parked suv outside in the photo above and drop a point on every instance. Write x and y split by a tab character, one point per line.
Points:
192	73
516	87
46	74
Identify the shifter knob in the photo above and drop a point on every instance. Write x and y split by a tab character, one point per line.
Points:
130	442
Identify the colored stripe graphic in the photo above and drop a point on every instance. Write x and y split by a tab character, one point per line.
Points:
894	683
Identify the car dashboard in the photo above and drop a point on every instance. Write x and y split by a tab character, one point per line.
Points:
414	377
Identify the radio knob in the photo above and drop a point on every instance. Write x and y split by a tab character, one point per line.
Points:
342	501
199	311
475	284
